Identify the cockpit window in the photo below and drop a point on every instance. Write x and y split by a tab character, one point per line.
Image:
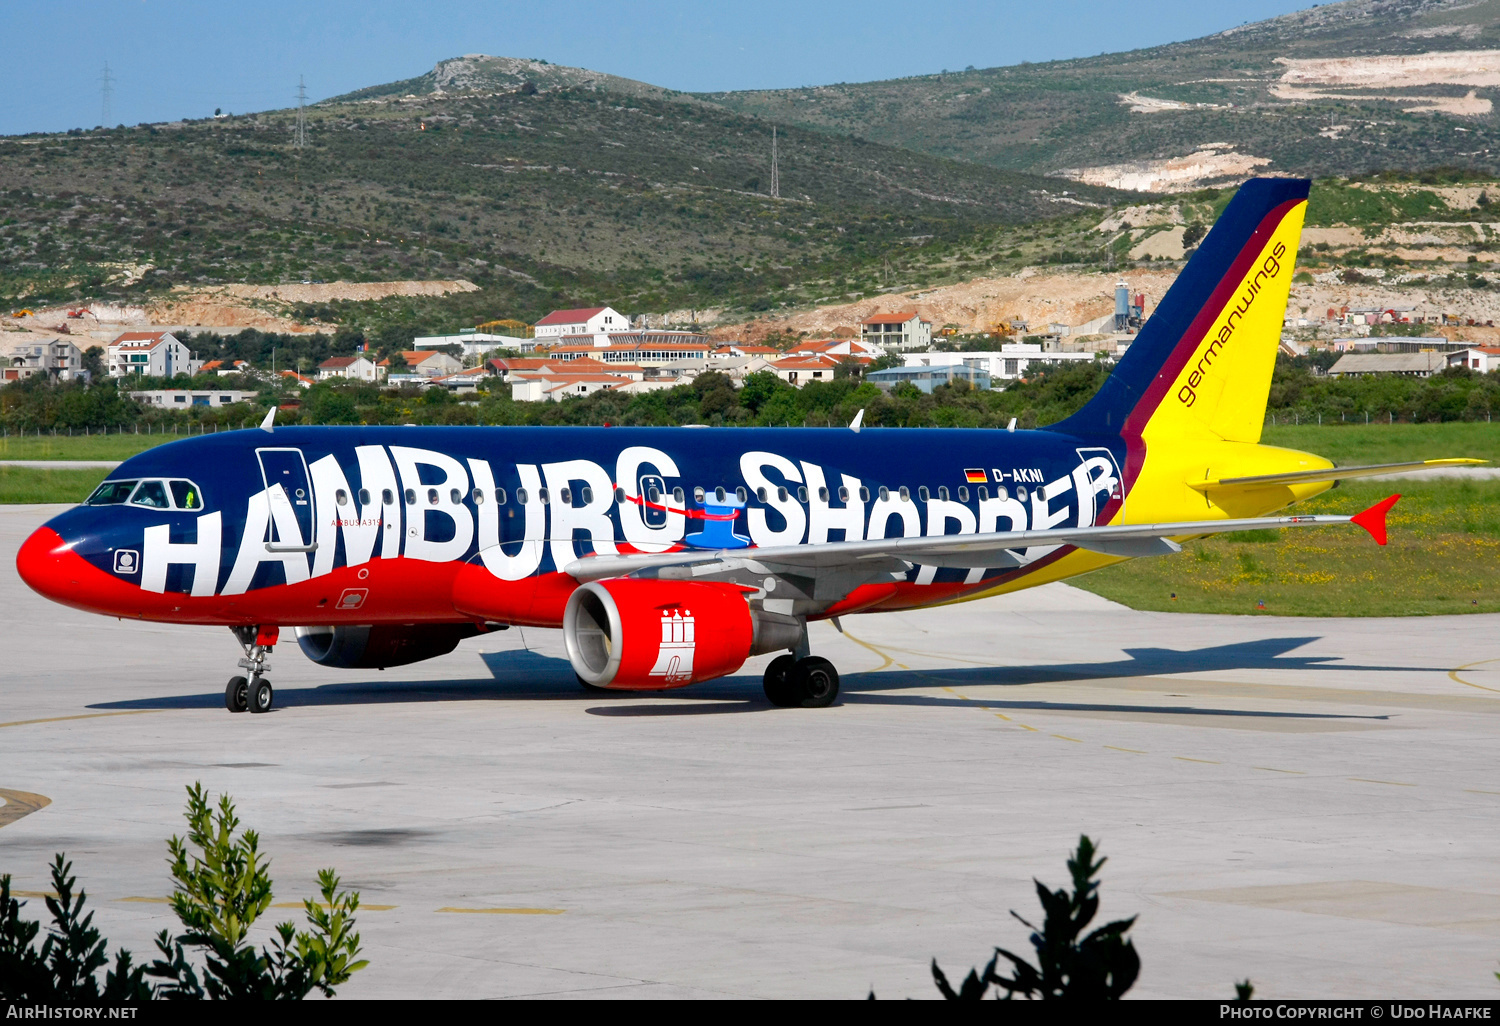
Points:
111	493
186	495
151	493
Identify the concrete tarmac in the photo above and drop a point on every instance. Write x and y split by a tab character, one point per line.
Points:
1310	803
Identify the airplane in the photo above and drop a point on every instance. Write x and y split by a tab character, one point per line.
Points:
670	556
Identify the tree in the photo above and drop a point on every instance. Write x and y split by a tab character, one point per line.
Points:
222	889
1103	965
93	361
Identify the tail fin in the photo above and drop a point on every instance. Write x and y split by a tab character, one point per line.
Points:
1203	362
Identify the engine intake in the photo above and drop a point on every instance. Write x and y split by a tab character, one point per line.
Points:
379	646
652	634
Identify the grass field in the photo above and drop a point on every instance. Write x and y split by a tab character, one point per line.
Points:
78	447
1347	444
1443	557
23	484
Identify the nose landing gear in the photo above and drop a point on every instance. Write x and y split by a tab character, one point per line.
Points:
255	693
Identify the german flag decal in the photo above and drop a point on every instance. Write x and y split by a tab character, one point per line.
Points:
974	476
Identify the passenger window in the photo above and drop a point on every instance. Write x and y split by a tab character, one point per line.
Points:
654	495
543	495
364	496
522	497
943	492
905	494
801	493
478	496
984	493
432	496
923	493
1041	493
186	495
698	494
455	496
1021	492
781	494
864	494
719	494
677	495
411	496
588	495
500	497
884	493
566	495
111	493
761	493
1002	493
822	494
742	495
150	493
619	494
340	497
843	494
387	497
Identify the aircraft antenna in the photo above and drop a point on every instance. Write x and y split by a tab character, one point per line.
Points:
775	170
301	112
106	97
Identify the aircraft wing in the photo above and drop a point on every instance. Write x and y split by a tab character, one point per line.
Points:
886	555
1331	473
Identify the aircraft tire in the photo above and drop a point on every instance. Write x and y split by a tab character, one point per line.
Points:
778	686
237	695
814	682
261	696
593	689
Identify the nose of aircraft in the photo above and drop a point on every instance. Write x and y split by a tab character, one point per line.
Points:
42	564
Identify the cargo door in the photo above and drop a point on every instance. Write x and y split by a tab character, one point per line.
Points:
288	489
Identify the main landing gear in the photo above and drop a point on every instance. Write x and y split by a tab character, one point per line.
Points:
810	682
253	693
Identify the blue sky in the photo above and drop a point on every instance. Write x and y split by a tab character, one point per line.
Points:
172	59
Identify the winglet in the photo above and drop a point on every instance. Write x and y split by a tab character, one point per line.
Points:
859	419
1373	519
269	423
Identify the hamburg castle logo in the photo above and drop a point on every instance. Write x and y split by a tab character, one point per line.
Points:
674	659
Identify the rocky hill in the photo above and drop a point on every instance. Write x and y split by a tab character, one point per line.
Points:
1345	88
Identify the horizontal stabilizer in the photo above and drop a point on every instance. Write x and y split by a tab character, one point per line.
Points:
1332	473
1373	519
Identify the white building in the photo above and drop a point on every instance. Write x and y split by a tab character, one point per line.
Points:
181	399
1484	359
901	331
588	320
475	343
1010	363
57	358
154	354
354	368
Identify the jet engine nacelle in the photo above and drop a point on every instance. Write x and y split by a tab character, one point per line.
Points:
366	647
653	634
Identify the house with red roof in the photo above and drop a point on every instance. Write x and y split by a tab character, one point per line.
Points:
351	368
425	363
799	370
1484	359
896	332
152	354
585	320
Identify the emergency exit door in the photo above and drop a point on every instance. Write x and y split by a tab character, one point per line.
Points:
289	491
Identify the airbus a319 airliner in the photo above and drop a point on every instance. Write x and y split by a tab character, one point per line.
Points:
670	556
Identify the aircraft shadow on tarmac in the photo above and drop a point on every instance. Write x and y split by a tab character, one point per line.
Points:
526	675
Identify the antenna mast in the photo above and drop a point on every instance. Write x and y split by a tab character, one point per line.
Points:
301	113
106	96
775	170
